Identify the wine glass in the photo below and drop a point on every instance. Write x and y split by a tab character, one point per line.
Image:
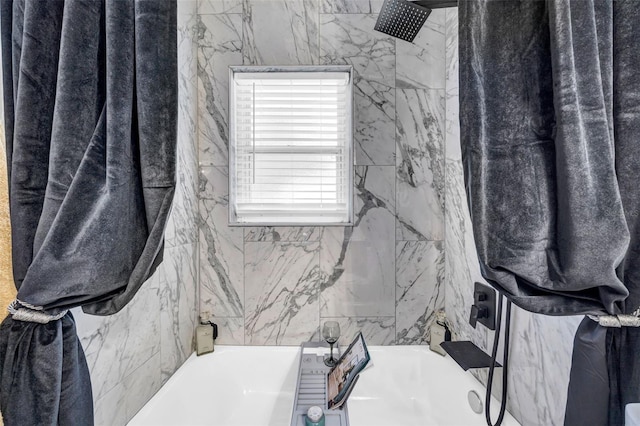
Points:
331	333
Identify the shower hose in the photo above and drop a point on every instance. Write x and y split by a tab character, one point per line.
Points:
494	352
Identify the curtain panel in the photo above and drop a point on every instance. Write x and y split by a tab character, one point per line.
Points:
550	134
90	98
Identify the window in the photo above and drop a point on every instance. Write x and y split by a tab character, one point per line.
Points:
290	146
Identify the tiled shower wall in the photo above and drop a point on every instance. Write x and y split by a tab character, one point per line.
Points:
132	353
540	356
385	275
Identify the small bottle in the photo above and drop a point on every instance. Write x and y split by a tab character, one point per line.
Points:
314	417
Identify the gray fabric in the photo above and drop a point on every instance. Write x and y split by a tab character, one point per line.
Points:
604	375
90	110
550	124
45	379
588	397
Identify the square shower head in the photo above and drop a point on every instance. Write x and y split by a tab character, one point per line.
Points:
401	18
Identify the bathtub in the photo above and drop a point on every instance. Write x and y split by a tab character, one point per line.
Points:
255	385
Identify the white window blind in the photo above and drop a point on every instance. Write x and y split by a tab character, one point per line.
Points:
290	147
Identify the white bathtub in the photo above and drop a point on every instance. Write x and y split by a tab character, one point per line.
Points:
254	386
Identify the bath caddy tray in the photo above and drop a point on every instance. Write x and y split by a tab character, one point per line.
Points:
311	388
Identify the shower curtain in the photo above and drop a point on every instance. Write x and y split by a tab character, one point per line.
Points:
550	133
90	99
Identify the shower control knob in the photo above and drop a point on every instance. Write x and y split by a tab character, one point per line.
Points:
483	309
480	296
477	313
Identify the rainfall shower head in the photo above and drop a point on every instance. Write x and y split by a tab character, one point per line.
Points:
403	19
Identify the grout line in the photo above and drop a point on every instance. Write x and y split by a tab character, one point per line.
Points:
395	191
444	170
244	287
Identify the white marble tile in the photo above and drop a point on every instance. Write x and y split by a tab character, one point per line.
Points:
186	8
219	46
187	71
221	248
141	385
540	362
420	164
461	264
282	233
213	184
462	268
280	32
421	64
376	330
350	6
350	39
178	310
181	224
125	399
374	123
374	197
358	262
230	330
419	289
452	100
112	347
362	284
109	409
207	7
281	293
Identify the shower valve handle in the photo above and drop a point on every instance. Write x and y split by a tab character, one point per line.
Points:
476	313
480	296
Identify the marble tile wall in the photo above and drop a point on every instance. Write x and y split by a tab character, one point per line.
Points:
541	346
132	353
385	275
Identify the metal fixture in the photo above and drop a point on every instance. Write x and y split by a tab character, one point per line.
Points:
475	402
468	355
439	333
403	19
483	309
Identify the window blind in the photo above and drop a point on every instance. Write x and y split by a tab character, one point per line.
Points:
291	147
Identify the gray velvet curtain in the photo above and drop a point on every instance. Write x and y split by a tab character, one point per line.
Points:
550	132
90	97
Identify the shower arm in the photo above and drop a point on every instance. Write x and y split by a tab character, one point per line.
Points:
436	4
